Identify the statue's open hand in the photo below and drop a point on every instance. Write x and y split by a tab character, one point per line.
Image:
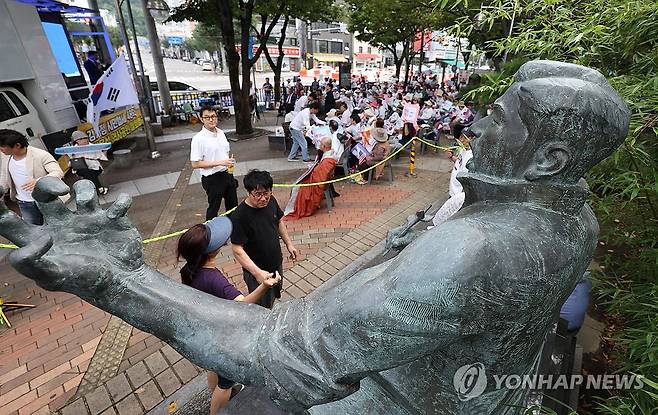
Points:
81	252
395	239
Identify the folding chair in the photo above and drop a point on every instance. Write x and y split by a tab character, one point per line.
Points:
329	197
388	166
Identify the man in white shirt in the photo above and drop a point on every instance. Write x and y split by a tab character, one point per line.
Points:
300	103
298	127
345	116
21	170
337	147
211	154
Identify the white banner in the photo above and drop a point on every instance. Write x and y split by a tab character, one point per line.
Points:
114	89
410	113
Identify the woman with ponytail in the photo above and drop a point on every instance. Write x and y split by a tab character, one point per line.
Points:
199	247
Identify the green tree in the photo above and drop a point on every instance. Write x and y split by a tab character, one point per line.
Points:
306	10
385	24
620	39
115	37
138	14
207	37
234	19
393	25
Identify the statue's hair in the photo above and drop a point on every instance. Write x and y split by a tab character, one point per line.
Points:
575	105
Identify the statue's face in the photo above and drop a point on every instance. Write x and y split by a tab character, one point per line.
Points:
498	138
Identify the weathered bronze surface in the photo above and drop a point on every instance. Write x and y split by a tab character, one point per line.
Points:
479	291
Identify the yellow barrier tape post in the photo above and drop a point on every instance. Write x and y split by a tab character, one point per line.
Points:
283	185
412	159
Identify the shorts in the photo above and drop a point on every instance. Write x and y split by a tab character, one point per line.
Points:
267	300
224	383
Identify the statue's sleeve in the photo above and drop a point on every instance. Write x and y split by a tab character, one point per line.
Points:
316	350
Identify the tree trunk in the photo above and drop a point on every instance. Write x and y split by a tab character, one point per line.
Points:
240	101
422	52
222	57
277	67
406	57
243	120
397	61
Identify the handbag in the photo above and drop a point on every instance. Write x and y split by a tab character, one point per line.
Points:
78	163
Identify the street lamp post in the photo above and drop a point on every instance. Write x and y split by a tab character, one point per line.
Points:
159	9
309	44
148	131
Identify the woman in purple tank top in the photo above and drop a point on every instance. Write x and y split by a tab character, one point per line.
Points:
199	247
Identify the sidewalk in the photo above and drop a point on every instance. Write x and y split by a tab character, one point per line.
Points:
65	356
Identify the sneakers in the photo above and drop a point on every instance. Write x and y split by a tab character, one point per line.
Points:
237	388
292	160
103	190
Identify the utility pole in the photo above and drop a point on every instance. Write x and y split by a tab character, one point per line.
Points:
309	40
158	64
148	132
422	52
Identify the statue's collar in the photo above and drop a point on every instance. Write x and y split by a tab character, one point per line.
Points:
562	198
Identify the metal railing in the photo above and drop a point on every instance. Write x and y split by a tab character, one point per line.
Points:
221	98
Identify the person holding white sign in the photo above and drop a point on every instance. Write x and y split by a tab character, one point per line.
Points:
299	125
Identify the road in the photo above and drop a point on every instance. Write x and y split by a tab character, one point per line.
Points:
191	74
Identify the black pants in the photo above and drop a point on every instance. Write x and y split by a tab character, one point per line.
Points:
218	186
92	175
267	300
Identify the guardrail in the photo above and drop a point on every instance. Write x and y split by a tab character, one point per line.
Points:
222	97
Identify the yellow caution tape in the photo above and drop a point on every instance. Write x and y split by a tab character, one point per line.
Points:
353	175
395	153
430	144
145	241
171	235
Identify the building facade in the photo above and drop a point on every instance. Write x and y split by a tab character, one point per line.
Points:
327	44
367	57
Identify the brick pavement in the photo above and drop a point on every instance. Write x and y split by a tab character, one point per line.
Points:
47	352
150	371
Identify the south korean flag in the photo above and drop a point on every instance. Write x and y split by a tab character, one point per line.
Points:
114	89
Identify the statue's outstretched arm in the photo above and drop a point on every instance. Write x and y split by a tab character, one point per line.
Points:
317	349
97	255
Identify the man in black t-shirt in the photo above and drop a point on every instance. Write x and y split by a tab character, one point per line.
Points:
257	226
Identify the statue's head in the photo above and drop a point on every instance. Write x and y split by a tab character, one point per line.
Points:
552	125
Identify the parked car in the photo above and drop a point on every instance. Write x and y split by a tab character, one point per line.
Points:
206	66
17	113
174	86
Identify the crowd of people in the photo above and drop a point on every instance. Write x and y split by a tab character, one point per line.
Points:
369	107
368	121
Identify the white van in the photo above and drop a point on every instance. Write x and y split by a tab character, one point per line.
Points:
17	113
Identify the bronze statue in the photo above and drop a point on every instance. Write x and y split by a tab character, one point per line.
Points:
480	290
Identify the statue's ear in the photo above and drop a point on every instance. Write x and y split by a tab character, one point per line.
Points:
549	160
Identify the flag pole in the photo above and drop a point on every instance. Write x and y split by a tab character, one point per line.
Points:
148	132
